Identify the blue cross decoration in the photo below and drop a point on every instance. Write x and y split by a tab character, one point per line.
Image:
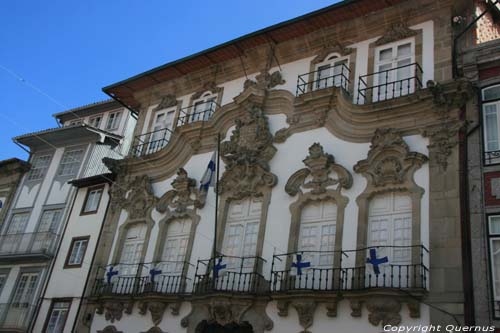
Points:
376	261
218	267
300	264
110	274
154	272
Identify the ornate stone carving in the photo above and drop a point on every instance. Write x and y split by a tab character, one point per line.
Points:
446	99
210	86
320	116
225	312
113	310
109	329
157	309
320	166
414	309
396	31
356	306
284	133
182	197
154	329
329	48
384	310
136	196
442	140
282	308
389	159
331	309
247	155
264	80
166	102
305	310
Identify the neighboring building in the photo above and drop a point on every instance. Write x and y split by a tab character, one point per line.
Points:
339	192
479	61
11	171
36	220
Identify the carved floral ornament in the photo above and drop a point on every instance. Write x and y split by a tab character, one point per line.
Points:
167	101
329	48
247	155
389	161
157	309
113	310
209	86
396	31
183	197
264	80
135	196
317	175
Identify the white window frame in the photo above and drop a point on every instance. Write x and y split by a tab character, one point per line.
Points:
156	136
173	263
38	169
22	298
94	196
205	98
76	255
332	60
493	237
114	120
62	316
377	64
484	104
97	118
74	165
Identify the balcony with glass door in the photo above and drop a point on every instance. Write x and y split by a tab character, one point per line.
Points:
327	76
386	267
155	278
16	317
150	142
36	245
199	111
229	274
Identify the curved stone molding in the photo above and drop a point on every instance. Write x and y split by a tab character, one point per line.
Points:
389	167
210	86
109	329
329	48
396	31
384	311
226	311
167	101
246	156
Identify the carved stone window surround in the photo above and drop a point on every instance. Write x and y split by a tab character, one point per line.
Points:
209	87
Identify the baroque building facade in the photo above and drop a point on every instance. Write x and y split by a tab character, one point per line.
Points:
338	202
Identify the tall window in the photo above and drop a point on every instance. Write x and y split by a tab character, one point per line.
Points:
491	121
113	121
175	246
92	200
49	222
241	231
76	252
25	289
332	72
18	223
57	316
39	165
132	249
204	107
393	65
159	136
494	237
70	162
317	232
12	240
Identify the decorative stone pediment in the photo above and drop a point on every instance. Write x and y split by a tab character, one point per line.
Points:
109	329
264	80
443	138
167	101
329	48
183	197
396	31
227	311
318	175
209	86
305	310
135	196
113	310
389	161
247	155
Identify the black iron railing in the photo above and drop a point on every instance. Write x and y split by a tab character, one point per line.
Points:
139	279
338	76
390	83
336	271
196	112
232	274
492	157
150	142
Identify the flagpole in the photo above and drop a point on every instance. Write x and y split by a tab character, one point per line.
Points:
216	204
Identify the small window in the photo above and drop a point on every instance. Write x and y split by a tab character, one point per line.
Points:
113	121
92	200
95	121
75	122
70	162
57	316
76	252
39	165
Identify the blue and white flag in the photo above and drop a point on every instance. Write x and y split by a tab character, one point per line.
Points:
208	178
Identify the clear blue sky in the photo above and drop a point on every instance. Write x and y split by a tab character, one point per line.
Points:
56	55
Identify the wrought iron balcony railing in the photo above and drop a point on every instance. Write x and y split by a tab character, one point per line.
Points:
334	76
196	112
165	278
492	157
232	274
150	142
16	317
390	83
386	267
37	243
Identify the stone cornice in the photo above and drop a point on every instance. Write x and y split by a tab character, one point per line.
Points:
330	108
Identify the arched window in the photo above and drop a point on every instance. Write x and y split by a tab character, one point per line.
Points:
131	253
204	107
333	71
